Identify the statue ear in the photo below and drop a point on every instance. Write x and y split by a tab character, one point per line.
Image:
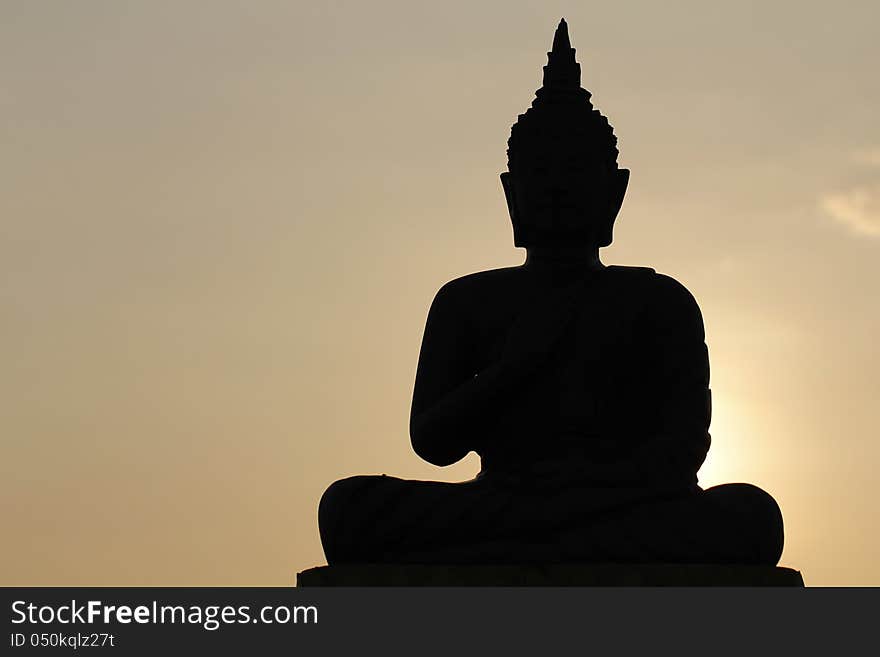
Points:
507	184
619	183
618	191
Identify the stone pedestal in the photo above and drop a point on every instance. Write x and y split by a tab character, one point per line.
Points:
550	575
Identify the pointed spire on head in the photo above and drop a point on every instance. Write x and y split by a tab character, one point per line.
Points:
562	71
562	106
561	42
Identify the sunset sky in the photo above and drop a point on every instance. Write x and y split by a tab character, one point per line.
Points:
222	224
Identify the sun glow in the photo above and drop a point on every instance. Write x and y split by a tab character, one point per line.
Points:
727	461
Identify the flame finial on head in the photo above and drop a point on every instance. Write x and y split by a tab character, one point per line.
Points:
562	71
563	107
561	42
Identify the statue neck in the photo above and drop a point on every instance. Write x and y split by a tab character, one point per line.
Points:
574	257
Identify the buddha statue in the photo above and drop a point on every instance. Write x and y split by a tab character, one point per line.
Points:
584	389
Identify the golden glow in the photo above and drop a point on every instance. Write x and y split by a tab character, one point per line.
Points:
725	462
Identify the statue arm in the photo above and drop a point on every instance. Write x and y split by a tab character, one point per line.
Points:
676	449
681	366
450	398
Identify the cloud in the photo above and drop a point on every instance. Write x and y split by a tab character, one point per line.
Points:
858	209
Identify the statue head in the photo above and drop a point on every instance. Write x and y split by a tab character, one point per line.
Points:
563	186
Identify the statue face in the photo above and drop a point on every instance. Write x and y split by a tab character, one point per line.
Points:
559	194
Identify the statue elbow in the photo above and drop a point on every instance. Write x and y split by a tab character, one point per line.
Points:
432	446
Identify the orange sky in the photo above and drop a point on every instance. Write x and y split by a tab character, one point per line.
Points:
223	223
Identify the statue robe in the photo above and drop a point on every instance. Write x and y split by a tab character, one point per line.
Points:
594	457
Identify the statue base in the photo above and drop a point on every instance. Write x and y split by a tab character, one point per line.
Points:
550	575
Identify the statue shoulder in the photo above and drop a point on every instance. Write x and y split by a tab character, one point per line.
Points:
671	292
652	281
632	282
471	286
660	295
627	272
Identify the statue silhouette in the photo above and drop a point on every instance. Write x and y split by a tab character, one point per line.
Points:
583	388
